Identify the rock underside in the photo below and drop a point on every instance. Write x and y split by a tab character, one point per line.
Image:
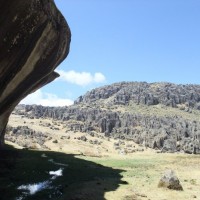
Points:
35	39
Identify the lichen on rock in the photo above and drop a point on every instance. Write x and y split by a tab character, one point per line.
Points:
170	180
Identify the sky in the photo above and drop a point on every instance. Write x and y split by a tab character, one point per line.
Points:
125	40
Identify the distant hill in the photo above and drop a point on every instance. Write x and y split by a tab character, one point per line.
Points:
149	94
162	116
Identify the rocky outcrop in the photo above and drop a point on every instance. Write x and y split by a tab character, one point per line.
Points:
165	133
35	39
170	180
168	94
26	137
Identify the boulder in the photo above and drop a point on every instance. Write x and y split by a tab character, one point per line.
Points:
170	180
83	138
169	146
35	39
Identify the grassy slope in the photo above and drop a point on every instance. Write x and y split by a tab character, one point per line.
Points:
157	110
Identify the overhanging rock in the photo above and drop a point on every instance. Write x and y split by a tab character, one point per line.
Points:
34	40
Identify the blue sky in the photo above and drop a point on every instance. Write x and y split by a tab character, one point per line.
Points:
125	40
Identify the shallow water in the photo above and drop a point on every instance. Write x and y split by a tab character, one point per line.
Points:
31	189
34	188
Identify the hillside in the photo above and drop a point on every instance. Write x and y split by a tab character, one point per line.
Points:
162	116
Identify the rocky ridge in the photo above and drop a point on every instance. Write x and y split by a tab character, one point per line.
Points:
161	116
167	94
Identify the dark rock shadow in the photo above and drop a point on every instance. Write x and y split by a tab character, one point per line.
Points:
81	180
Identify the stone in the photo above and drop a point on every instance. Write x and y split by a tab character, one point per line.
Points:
25	137
35	39
113	111
170	180
169	146
83	138
55	141
122	152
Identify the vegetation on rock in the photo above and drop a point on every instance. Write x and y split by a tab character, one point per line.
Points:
162	116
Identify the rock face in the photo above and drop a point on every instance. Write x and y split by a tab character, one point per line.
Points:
170	181
35	39
26	137
114	112
143	93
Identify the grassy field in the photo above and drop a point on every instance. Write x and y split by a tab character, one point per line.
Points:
142	172
115	177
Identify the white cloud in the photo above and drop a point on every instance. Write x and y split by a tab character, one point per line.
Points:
81	78
45	99
99	78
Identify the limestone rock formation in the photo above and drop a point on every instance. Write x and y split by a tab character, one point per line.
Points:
144	93
26	137
34	40
114	112
170	180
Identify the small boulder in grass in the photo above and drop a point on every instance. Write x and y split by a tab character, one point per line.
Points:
55	141
170	180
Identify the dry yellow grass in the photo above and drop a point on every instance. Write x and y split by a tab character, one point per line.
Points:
142	170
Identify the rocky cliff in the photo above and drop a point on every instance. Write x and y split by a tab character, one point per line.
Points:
167	94
162	116
35	38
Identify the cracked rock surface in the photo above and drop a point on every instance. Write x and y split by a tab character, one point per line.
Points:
34	40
